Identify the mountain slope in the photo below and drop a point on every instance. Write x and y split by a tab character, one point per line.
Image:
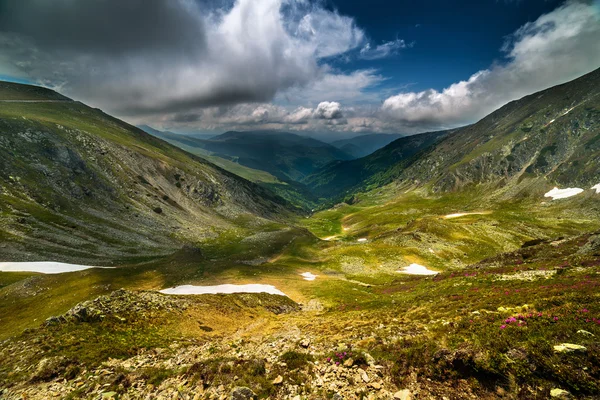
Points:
378	168
195	145
361	146
284	155
77	184
292	191
552	137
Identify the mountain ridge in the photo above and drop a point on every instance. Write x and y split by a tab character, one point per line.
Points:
71	176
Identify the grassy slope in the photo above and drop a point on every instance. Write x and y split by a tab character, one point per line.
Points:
17	91
73	179
291	191
552	135
346	177
363	145
440	335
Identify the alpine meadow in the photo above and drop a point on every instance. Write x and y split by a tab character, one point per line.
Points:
299	199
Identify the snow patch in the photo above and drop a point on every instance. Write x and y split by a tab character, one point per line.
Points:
362	240
226	288
557	193
308	276
417	269
458	215
596	188
44	267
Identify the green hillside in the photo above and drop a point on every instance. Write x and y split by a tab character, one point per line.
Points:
551	136
294	192
342	178
77	184
363	145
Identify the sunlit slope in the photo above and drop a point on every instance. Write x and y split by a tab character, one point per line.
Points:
552	135
76	183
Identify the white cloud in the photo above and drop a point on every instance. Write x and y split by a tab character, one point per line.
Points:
349	87
383	50
329	110
246	53
557	47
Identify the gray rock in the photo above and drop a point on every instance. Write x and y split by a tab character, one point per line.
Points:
592	246
242	393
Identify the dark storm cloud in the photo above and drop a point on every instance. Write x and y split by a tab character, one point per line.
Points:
143	57
109	27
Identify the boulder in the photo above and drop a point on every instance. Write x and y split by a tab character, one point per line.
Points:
403	394
242	393
569	348
559	394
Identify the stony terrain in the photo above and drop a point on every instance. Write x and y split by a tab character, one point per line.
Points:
482	337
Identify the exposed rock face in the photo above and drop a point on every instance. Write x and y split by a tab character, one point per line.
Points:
83	181
551	134
120	302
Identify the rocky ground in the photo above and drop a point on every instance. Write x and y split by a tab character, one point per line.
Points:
475	334
276	356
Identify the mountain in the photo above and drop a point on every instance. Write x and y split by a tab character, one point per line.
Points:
24	93
337	179
284	155
361	146
551	137
544	139
77	184
477	290
195	145
294	192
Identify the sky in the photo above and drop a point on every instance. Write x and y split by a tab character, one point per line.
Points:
333	67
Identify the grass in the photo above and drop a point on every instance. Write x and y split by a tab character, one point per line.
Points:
444	328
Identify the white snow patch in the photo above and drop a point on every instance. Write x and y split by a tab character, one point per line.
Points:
44	267
557	193
596	188
226	288
362	240
458	215
417	269
308	276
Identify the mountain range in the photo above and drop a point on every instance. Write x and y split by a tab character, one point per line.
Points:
363	145
462	263
79	184
286	156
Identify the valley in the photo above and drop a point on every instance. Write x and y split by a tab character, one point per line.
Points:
434	267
